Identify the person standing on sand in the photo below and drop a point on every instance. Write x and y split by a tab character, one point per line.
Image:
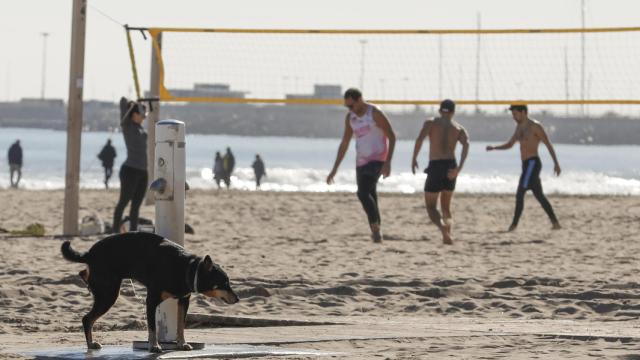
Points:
218	169
107	155
530	133
15	163
258	170
444	133
133	173
229	163
375	142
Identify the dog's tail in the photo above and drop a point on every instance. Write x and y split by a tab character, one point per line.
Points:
71	254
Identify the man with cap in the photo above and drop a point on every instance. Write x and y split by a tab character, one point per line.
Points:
444	133
530	133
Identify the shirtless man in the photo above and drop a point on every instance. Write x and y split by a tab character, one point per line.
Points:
444	133
530	133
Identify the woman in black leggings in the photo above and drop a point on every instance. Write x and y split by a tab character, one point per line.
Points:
133	173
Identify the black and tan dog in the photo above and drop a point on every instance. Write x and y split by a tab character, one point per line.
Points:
162	266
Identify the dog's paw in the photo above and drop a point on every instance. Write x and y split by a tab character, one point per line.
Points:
155	348
94	346
185	346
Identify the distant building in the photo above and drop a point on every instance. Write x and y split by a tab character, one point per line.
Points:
37	102
327	91
320	92
208	90
98	104
34	112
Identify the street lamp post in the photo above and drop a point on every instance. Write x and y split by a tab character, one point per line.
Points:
43	82
363	44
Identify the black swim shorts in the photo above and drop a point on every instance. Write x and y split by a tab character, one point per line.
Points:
437	176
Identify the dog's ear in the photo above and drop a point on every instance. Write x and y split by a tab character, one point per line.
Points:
208	263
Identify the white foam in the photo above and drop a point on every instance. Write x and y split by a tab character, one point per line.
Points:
313	180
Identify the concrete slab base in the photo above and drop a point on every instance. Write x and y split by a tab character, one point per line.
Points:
144	345
364	338
209	352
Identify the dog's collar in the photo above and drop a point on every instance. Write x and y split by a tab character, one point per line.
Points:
194	283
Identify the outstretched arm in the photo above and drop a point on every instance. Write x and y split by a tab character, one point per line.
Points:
463	138
416	148
383	123
545	139
508	145
342	149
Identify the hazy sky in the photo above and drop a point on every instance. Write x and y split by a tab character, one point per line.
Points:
107	69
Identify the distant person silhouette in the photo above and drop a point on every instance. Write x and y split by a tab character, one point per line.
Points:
229	163
15	163
258	170
133	172
107	155
218	169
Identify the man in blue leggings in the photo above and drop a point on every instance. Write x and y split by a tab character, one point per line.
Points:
530	133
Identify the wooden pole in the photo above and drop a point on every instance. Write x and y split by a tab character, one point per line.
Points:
153	117
74	122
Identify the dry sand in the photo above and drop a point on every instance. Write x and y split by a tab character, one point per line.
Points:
308	256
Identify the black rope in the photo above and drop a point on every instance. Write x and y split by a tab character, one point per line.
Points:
107	16
141	29
150	101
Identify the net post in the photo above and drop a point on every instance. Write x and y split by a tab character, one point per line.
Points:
74	122
154	112
132	57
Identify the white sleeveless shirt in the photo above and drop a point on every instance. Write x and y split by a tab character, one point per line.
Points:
371	142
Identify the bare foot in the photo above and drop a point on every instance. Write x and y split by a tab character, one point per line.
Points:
376	234
448	227
556	226
446	237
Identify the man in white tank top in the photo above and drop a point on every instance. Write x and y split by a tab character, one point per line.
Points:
375	142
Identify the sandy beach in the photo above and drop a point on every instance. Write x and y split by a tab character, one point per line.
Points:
307	256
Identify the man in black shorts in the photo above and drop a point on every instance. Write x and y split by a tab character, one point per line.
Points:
438	176
444	133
